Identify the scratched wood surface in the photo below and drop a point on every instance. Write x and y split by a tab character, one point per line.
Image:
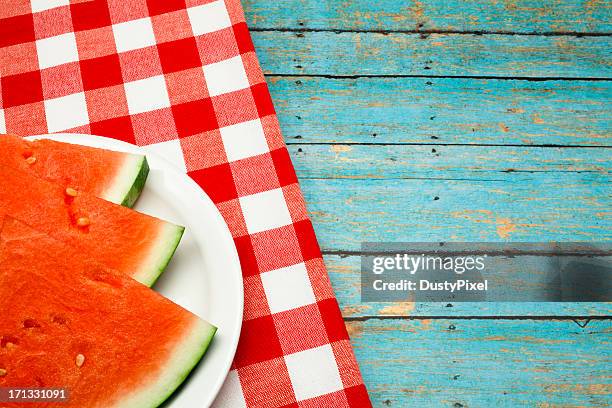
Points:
432	120
588	17
493	55
484	363
442	110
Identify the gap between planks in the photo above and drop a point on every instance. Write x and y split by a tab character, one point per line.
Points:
575	319
494	77
577	34
293	142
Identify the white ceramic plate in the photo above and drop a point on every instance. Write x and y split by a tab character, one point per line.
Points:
204	275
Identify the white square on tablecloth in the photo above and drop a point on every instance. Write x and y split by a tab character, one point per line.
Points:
230	394
288	288
134	34
208	18
2	122
42	5
171	151
246	139
66	112
146	95
58	50
225	76
313	372
265	211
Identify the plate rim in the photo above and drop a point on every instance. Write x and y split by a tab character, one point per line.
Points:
126	147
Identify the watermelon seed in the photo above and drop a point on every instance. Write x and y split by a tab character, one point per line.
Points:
83	222
2	372
31	160
80	360
71	192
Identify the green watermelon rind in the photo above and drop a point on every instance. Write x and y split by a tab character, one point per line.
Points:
129	182
187	355
141	178
161	254
197	357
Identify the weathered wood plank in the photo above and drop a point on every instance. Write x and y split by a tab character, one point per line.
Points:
443	110
521	16
471	363
509	164
346	212
344	272
325	53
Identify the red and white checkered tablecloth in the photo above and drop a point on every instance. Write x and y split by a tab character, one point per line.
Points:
182	77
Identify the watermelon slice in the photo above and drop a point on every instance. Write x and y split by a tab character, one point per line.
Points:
113	176
119	238
69	322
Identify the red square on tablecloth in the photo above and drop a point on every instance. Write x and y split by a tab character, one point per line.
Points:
263	101
283	166
357	396
164	6
179	55
88	15
307	240
117	128
332	319
255	349
185	113
243	38
248	260
21	89
217	181
101	72
16	30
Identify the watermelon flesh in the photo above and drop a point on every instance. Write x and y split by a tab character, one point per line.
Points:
74	323
114	176
119	238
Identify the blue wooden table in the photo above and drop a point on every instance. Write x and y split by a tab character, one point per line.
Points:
452	120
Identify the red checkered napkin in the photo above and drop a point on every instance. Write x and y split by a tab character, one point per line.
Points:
182	77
